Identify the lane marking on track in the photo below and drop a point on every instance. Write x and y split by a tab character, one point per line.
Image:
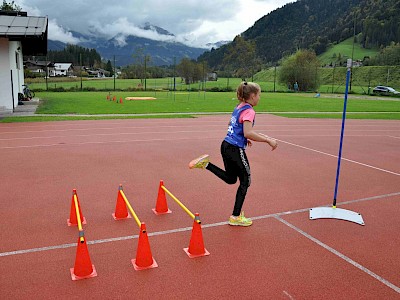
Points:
163	139
341	255
184	131
288	295
393	127
105	134
395	137
346	159
100	128
164	232
106	142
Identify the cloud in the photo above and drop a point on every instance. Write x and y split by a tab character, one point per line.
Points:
55	31
58	33
192	22
121	28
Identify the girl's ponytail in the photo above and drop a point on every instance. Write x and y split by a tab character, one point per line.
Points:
245	89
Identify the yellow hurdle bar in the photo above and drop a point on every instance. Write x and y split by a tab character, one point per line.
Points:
180	203
78	217
131	209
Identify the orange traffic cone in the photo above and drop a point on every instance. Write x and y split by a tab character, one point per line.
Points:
196	245
161	204
144	258
83	267
73	221
120	100
108	97
114	98
121	212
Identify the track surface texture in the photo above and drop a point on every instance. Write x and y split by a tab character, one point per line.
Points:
283	255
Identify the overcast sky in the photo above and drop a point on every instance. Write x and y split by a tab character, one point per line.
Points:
194	22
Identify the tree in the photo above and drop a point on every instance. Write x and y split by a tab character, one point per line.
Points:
241	57
143	61
301	67
389	56
185	70
73	54
191	71
109	68
10	6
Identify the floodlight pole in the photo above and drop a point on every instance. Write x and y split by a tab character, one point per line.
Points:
174	78
80	61
145	71
47	72
114	73
352	51
174	73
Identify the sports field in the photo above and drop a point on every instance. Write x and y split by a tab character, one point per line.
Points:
155	104
283	255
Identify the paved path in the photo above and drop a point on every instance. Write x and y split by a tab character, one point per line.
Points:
28	109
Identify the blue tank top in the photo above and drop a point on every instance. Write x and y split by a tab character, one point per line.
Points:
235	135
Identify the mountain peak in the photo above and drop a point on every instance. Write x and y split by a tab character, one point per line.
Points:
159	30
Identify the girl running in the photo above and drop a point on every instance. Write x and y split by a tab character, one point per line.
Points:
240	134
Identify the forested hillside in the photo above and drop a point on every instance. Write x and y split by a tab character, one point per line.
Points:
76	55
316	24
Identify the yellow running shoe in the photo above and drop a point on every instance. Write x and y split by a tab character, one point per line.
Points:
200	162
241	220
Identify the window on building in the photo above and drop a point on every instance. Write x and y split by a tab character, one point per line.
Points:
17	60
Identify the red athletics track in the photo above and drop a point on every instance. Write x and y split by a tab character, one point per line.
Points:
284	255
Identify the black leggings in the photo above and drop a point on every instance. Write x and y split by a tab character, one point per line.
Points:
236	166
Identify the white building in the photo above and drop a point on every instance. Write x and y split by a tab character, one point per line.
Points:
19	35
61	69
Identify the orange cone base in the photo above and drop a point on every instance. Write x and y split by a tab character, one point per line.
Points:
115	218
70	224
196	255
75	277
161	213
137	268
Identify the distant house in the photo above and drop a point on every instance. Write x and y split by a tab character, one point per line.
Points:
99	73
212	76
62	69
19	35
38	67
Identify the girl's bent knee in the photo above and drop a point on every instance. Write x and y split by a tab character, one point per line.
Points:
231	180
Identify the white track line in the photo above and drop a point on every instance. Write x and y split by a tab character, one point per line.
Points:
395	137
182	131
104	142
154	124
341	255
163	139
98	128
349	160
105	134
101	241
288	295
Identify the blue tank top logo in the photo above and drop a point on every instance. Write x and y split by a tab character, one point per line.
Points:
235	135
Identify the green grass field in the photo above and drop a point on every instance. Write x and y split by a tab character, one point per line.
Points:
187	104
331	79
108	84
80	98
345	50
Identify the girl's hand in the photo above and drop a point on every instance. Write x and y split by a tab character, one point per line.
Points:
273	143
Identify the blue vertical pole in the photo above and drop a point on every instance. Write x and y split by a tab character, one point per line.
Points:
341	135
